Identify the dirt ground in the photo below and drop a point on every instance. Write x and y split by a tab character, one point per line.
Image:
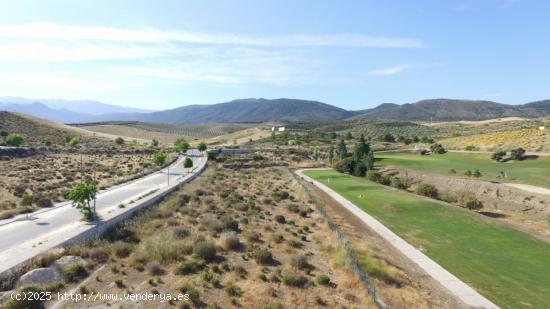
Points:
48	176
262	209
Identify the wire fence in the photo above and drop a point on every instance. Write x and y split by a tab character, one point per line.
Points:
342	240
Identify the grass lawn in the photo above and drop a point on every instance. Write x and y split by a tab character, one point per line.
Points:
532	172
509	267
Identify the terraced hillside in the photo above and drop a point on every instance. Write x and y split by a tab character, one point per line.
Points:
532	139
164	133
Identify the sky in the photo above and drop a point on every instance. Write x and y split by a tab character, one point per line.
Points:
352	54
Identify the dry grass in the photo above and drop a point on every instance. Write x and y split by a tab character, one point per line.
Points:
223	212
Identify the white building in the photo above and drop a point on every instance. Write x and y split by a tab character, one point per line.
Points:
541	128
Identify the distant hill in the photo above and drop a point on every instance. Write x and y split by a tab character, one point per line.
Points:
42	111
243	110
277	110
89	107
453	110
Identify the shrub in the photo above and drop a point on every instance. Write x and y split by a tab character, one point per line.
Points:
301	262
295	281
43	202
73	272
280	219
232	290
428	190
263	256
99	255
26	200
437	148
384	180
280	195
471	202
181	232
205	250
119	140
14	140
191	266
323	280
397	183
452	171
231	242
121	249
154	268
230	224
477	173
468	173
373	176
191	292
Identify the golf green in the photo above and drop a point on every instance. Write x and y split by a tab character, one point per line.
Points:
509	267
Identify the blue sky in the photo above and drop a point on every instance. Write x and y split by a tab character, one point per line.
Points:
352	54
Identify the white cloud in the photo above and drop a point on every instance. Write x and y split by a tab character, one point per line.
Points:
388	71
18	52
52	31
66	82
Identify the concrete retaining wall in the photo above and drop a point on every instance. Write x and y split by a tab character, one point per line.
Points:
104	226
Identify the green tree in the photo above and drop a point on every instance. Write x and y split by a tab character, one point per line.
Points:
81	196
361	149
342	150
119	140
437	148
159	159
388	138
154	143
360	169
498	155
14	140
202	146
517	154
74	141
370	160
182	145
187	163
349	136
468	173
330	154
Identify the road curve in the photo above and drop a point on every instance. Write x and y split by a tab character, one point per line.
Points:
457	287
23	239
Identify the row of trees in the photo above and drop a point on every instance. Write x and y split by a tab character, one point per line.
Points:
516	154
357	162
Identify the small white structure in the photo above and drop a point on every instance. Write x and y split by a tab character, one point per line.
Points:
541	128
272	128
281	129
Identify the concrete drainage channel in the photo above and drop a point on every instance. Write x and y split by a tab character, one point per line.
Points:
97	230
344	243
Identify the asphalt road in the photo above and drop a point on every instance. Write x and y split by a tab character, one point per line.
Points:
23	239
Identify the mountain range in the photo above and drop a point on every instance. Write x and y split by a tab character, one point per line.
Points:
281	110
